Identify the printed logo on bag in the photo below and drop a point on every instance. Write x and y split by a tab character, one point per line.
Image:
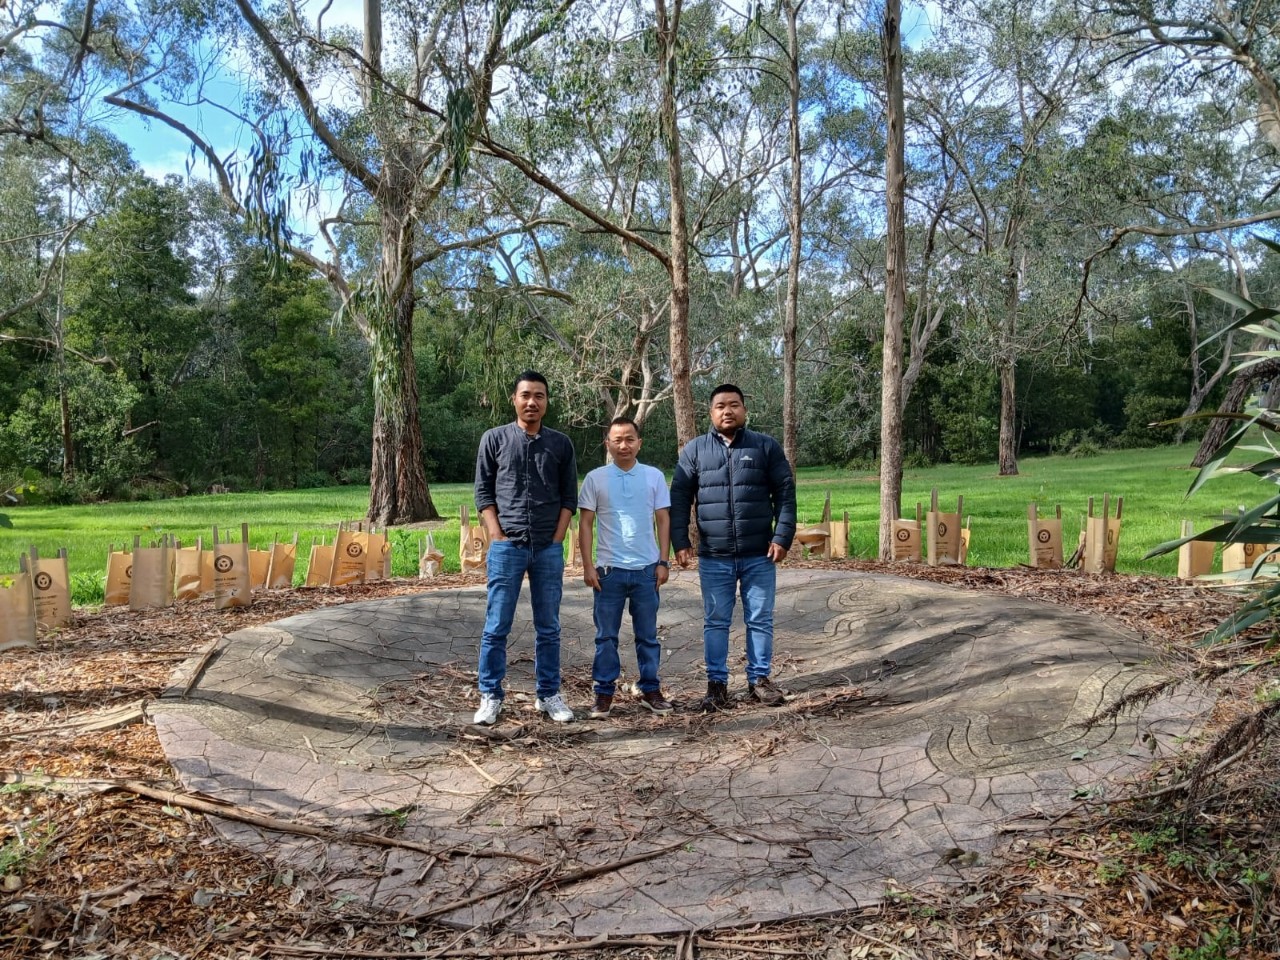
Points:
128	572
942	529
1111	536
223	563
43	581
1044	536
903	535
354	550
386	548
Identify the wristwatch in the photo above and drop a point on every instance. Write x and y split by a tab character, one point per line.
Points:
664	563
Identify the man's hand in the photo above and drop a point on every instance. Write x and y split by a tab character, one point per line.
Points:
663	574
776	553
685	555
590	577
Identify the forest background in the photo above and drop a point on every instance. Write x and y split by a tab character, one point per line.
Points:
384	219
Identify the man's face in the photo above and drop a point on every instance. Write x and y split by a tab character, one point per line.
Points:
530	401
728	413
624	445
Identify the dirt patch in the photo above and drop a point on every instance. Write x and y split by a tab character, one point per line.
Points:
92	867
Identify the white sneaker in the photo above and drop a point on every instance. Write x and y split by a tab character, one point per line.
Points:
490	707
555	708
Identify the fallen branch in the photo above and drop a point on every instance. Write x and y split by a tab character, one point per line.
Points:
306	950
118	717
218	808
586	873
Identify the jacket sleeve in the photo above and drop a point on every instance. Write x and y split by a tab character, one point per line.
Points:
486	473
782	491
684	487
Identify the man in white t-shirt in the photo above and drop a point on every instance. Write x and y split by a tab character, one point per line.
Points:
632	504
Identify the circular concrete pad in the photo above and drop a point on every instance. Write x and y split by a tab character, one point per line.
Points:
923	719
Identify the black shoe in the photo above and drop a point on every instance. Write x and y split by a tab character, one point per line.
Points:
717	698
603	705
767	692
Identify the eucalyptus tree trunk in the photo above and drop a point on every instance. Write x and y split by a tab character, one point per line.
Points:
1008	456
895	293
795	209
398	491
1006	366
668	35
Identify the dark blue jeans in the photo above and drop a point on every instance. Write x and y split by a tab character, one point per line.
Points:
720	578
619	587
507	564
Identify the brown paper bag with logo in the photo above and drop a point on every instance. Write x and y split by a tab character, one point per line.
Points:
430	558
259	564
151	583
349	552
944	535
284	557
377	558
17	612
1195	557
192	577
231	587
473	543
1242	556
119	572
50	587
319	564
1044	538
907	537
1102	537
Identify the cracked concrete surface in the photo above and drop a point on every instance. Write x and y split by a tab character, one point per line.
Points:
923	718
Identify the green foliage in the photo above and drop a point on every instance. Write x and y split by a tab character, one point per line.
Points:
31	844
968	411
1217	945
1112	870
1258	422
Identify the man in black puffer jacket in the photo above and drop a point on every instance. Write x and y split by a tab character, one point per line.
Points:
746	497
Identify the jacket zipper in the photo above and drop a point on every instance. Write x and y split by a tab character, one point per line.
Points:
733	520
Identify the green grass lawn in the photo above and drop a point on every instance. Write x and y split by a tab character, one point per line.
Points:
1152	482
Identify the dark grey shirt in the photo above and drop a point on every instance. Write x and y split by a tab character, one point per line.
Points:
529	479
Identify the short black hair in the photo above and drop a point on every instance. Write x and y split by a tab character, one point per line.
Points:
728	388
533	376
625	421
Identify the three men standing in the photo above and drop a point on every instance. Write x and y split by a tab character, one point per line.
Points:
746	514
526	491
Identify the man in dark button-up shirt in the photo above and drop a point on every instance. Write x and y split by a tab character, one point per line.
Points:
526	492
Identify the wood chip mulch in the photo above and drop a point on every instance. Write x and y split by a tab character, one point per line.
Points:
93	870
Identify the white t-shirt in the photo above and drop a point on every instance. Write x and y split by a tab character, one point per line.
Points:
624	502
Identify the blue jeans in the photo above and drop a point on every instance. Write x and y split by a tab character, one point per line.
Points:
617	586
507	564
720	578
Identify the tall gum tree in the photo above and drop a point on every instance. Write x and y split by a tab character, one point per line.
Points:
388	116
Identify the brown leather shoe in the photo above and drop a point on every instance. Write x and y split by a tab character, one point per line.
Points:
600	709
767	692
654	701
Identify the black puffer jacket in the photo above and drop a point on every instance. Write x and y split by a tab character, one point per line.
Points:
745	492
